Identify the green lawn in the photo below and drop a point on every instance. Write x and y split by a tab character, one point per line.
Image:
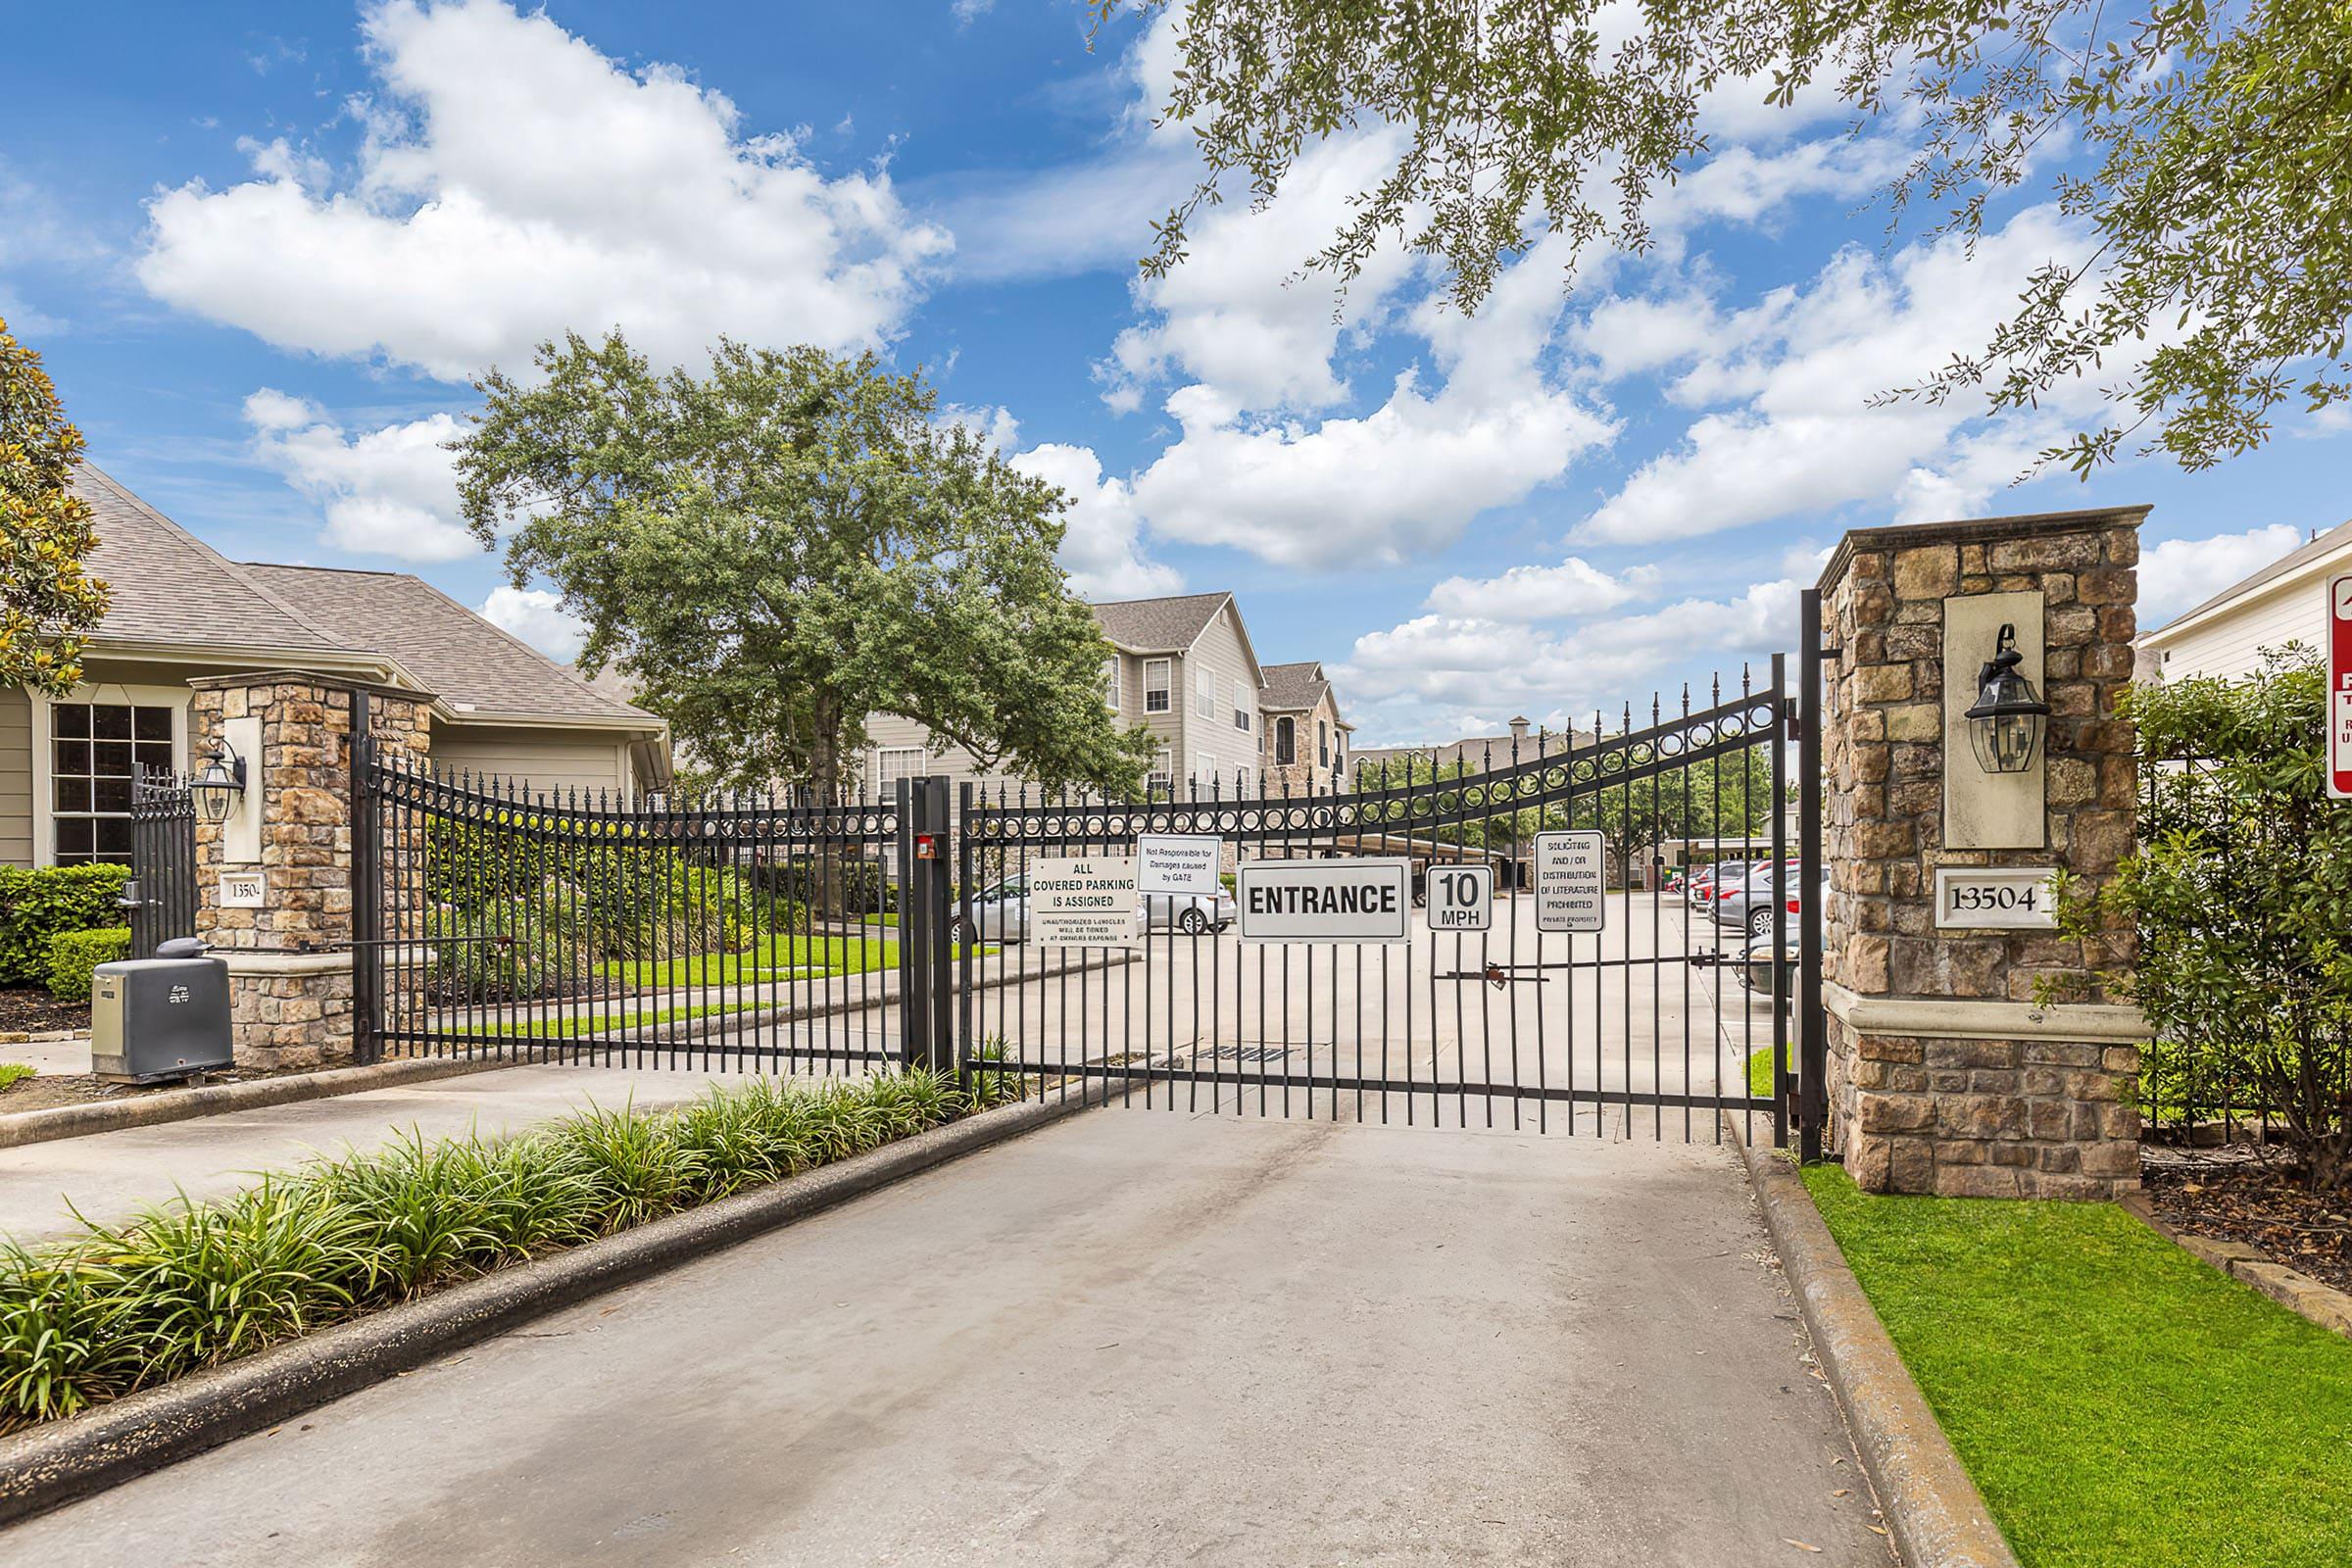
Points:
617	1020
2121	1405
775	961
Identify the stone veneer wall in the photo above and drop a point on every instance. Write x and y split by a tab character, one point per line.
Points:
290	1006
1945	1075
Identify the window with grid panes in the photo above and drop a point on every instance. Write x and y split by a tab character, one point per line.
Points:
95	751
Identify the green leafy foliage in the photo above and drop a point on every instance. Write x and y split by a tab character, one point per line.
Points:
38	905
190	1285
75	955
2240	892
777	550
49	603
2207	171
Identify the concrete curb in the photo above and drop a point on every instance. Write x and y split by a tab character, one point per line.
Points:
2249	1264
214	1100
1934	1509
51	1465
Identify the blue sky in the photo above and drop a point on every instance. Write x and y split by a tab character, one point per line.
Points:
264	247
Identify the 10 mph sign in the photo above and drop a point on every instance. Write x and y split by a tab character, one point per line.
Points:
2340	687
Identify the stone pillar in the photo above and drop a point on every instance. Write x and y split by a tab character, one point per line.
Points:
273	885
1975	1055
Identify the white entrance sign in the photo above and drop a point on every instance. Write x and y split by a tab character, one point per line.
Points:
1366	900
1570	877
243	890
1088	902
1177	862
1461	897
1997	898
2340	687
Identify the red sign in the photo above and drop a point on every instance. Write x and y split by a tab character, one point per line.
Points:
2340	687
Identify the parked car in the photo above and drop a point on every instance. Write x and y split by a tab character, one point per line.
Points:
1746	903
1753	966
1002	912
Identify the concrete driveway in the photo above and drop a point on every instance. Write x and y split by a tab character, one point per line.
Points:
1134	1337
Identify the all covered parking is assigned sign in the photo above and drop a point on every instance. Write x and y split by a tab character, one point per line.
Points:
2340	687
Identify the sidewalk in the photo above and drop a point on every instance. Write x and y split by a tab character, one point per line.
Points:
110	1175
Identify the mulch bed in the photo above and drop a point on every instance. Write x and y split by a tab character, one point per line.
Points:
36	1011
2233	1196
48	1090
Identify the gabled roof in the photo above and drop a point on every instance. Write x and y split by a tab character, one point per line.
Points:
1293	688
480	671
1160	626
170	586
2333	541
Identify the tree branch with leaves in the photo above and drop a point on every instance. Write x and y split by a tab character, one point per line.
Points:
49	603
2205	146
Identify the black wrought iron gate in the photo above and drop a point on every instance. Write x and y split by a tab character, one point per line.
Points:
782	933
1686	1004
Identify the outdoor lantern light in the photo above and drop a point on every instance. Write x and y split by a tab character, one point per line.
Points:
217	788
2006	724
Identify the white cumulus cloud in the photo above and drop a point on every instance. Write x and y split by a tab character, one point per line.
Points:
515	184
1103	548
538	617
388	492
2180	573
1571	590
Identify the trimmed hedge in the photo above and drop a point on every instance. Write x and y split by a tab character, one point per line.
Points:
39	905
75	955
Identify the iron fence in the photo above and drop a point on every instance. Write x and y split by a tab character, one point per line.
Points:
750	932
162	894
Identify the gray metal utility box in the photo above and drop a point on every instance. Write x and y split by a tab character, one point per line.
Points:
155	1019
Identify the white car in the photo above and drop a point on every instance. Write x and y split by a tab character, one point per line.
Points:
1001	912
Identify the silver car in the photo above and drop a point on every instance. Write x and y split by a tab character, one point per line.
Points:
1001	912
1748	899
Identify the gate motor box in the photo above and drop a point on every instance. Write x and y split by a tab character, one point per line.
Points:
155	1019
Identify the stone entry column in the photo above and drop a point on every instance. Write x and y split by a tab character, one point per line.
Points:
286	941
1946	1075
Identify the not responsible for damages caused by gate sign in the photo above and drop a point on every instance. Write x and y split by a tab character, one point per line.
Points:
1364	900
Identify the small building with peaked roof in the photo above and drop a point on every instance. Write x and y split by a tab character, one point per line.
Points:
2227	635
1182	667
181	610
1309	744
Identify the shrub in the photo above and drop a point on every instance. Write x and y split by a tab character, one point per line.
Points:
74	954
2240	892
38	905
190	1284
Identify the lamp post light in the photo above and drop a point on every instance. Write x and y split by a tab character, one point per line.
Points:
217	789
2006	724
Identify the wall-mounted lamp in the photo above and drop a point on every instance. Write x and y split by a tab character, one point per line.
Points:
217	789
2005	726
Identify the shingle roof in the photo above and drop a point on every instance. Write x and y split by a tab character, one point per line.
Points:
170	586
461	658
1293	688
1158	625
2333	540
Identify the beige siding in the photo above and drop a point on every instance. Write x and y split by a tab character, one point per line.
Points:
890	732
1222	654
15	778
544	760
2229	644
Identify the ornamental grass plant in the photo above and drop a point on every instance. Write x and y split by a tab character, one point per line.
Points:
187	1285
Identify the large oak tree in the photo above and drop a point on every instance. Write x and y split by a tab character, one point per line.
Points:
787	544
